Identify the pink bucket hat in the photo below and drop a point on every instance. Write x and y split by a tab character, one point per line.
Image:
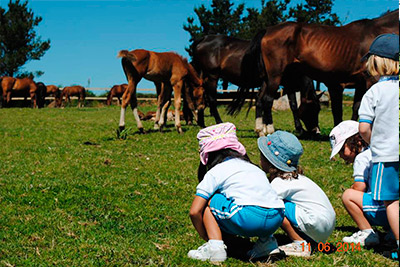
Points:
216	137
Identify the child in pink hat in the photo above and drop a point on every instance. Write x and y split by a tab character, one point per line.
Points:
233	196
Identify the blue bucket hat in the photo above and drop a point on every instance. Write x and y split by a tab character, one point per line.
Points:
282	149
385	45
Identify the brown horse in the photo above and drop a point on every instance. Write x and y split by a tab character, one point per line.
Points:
23	87
327	54
116	91
229	58
52	90
169	69
76	90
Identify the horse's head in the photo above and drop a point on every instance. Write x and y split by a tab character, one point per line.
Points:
199	95
308	112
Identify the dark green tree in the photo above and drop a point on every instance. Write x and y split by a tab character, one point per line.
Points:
315	11
19	42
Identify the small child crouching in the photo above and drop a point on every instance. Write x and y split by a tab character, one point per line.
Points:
309	216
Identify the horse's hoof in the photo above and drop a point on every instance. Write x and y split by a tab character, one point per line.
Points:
156	126
268	129
141	131
179	129
119	131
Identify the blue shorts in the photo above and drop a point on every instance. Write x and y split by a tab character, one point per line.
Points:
385	181
375	211
245	221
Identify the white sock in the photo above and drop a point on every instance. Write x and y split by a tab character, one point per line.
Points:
368	231
216	243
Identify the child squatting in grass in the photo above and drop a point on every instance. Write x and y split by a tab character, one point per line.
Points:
309	216
379	124
358	201
233	196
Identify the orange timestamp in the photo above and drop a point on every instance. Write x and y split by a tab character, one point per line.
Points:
340	247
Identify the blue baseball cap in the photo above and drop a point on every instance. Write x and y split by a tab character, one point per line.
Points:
385	45
282	149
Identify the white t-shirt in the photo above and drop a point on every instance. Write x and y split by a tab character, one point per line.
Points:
242	181
362	168
380	107
314	213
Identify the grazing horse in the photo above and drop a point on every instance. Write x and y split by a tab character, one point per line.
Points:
229	58
328	54
24	87
116	91
52	90
169	69
76	90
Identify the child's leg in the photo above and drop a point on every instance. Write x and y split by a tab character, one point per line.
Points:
392	211
211	225
353	202
290	231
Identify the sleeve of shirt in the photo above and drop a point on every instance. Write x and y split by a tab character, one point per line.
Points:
281	188
360	170
367	107
207	187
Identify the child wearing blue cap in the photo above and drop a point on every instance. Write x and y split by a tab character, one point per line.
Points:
379	126
309	216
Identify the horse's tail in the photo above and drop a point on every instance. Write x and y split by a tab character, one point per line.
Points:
252	68
127	54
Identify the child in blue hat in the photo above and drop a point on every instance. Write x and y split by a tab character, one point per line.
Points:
309	216
379	126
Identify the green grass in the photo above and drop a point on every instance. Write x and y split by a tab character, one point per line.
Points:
71	194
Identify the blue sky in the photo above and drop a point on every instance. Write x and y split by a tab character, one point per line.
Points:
87	35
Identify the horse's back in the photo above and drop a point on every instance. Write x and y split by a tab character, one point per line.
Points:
24	84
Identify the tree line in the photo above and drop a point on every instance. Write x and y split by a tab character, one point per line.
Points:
19	42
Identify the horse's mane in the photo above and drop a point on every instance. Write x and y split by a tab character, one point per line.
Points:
192	74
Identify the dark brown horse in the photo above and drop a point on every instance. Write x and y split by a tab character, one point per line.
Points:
52	90
116	91
327	54
166	68
76	90
231	59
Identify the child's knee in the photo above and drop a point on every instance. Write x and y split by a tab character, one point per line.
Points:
346	196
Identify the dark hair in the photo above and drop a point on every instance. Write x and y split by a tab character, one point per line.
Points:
353	143
217	157
275	172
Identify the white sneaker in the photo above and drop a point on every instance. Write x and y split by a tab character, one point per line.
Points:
296	249
364	238
208	252
264	248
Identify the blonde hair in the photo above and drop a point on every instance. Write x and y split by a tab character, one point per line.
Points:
379	66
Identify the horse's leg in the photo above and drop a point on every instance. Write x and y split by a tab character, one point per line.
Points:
293	106
177	86
8	98
126	99
165	102
212	97
359	93
264	123
160	91
336	95
33	99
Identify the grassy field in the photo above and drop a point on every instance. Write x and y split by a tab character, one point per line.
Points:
71	194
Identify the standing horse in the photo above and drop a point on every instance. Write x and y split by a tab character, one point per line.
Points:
327	54
166	68
52	90
7	84
76	90
116	91
229	58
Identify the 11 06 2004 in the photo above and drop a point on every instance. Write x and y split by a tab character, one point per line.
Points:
340	247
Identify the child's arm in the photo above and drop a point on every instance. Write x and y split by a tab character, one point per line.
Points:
359	186
365	129
196	215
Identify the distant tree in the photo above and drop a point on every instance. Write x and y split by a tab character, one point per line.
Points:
19	42
315	11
